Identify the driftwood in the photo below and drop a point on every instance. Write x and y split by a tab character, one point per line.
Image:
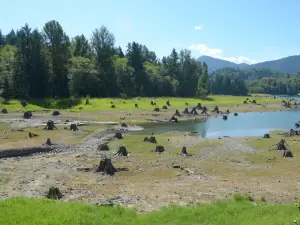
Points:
50	125
4	111
55	113
266	136
287	154
159	149
27	115
122	151
103	147
106	167
31	135
54	193
118	135
74	127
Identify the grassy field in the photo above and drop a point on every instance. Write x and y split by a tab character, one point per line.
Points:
231	212
104	104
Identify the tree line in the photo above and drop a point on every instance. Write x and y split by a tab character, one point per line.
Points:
47	63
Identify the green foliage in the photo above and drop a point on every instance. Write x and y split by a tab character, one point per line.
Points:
40	211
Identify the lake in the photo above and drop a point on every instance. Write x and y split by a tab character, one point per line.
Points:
245	124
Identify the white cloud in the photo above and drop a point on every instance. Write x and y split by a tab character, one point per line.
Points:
218	53
199	27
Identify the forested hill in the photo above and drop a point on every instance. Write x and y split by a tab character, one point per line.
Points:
289	64
48	63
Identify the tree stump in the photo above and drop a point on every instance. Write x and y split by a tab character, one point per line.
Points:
4	111
281	145
159	149
56	113
103	147
50	125
74	127
186	103
247	99
48	142
267	136
54	193
199	106
254	101
168	103
122	151
113	106
31	135
216	109
152	139
245	102
156	109
224	117
177	113
27	115
87	101
235	114
124	125
136	105
164	107
118	135
297	125
24	104
194	111
174	119
204	110
146	139
287	154
151	103
106	167
227	111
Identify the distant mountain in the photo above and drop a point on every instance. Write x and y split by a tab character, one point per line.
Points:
289	64
215	64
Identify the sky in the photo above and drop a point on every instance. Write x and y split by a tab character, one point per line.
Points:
241	31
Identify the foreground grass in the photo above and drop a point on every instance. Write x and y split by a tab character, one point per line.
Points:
104	104
235	212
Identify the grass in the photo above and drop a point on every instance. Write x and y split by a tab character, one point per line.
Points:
231	212
104	104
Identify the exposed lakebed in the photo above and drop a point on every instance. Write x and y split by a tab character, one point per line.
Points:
245	124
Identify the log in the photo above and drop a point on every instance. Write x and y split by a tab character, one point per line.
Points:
7	153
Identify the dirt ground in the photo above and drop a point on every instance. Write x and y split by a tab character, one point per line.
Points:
148	180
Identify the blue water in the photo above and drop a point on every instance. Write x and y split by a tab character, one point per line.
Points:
245	124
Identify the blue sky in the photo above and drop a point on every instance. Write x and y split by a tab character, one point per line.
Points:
237	30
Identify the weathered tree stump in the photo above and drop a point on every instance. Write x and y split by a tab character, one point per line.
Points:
50	125
177	113
27	115
287	154
174	119
152	139
54	193
184	152
112	103
295	103
4	111
159	149
186	111
48	142
146	139
254	101
281	145
124	125
227	111
106	167
122	151
87	101
194	111
24	104
199	106
164	107
297	125
247	99
186	103
113	106
74	127
103	147
266	136
168	103
156	109
235	114
118	135
55	113
215	109
136	105
204	110
31	135
245	102
152	103
225	117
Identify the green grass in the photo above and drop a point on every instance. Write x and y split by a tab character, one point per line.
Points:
104	104
232	212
